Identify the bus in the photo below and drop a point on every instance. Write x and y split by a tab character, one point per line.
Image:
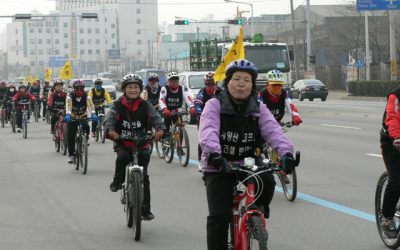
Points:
266	57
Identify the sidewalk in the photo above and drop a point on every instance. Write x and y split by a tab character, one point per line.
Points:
343	95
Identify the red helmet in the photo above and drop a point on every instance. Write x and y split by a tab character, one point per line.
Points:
78	83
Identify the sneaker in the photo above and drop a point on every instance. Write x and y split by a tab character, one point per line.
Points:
388	227
115	187
199	168
19	130
71	159
148	216
93	134
287	180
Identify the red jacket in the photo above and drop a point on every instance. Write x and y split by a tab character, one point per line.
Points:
392	120
23	98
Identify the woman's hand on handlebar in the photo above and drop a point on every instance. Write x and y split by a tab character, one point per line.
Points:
158	134
112	135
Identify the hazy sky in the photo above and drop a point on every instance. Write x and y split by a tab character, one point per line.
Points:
195	9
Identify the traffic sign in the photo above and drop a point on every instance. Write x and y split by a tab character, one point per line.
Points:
57	61
114	54
367	5
359	63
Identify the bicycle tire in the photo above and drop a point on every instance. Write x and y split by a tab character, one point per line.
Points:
169	149
289	189
57	143
183	159
78	150
392	243
3	118
13	122
84	155
36	113
137	204
100	128
257	235
25	128
64	143
160	149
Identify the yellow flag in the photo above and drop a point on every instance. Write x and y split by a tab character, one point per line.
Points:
235	52
48	75
66	71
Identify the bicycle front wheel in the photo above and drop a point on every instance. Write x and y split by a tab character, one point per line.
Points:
78	153
57	142
257	235
63	141
160	148
168	146
392	243
13	122
183	147
84	156
137	198
289	184
25	128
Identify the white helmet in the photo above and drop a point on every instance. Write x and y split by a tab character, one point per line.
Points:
172	75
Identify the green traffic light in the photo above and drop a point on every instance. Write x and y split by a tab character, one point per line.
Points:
239	21
186	22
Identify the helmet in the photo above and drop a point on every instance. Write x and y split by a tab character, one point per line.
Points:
3	84
131	78
173	75
275	77
98	81
58	82
154	76
11	86
78	83
242	65
22	86
209	76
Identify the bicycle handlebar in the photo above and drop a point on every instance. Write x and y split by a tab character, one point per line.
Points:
137	138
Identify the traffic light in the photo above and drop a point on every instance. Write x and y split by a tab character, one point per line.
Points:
235	21
311	59
181	22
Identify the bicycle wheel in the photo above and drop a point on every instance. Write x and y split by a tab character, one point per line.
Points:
84	155
36	113
160	148
78	156
289	184
13	122
183	147
64	142
25	128
392	243
168	146
3	117
57	143
257	235
137	198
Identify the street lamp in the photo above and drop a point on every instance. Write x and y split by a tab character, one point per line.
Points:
195	20
252	16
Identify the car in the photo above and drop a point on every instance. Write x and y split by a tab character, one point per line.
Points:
309	89
194	81
109	86
88	85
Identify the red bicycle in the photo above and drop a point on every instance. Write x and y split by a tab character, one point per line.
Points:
247	229
60	138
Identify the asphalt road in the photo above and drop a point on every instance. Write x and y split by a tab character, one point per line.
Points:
46	204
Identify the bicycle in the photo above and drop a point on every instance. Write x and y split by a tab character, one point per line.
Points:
25	111
81	146
178	138
99	129
247	230
13	117
3	114
132	189
288	181
381	186
60	138
36	111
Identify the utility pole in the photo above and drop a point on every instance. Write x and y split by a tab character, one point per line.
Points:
308	35
367	56
296	60
392	39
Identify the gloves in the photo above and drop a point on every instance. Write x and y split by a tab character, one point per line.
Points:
216	161
112	135
94	117
288	163
167	113
158	135
192	111
67	118
396	144
296	120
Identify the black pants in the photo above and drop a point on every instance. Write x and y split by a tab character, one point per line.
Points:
19	118
391	157
199	151
219	189
36	102
124	157
170	120
99	110
53	119
72	127
44	107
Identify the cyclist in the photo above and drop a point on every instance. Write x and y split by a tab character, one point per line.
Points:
20	99
276	99
206	93
44	94
171	99
35	91
390	146
153	90
98	95
3	90
77	105
8	99
56	102
131	114
228	131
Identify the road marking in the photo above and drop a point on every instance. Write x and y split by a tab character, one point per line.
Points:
338	126
374	155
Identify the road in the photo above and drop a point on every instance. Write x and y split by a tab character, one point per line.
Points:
46	204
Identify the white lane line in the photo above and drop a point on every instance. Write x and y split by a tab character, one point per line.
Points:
374	155
338	126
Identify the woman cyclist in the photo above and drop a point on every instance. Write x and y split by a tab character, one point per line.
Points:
228	130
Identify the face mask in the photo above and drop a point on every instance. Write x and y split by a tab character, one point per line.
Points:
275	88
79	92
98	87
210	90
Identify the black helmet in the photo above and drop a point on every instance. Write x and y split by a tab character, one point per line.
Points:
131	79
154	76
98	82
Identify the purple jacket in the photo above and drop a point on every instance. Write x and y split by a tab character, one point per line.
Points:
209	129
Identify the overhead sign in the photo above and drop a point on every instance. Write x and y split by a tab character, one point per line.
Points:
114	54
367	5
57	61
